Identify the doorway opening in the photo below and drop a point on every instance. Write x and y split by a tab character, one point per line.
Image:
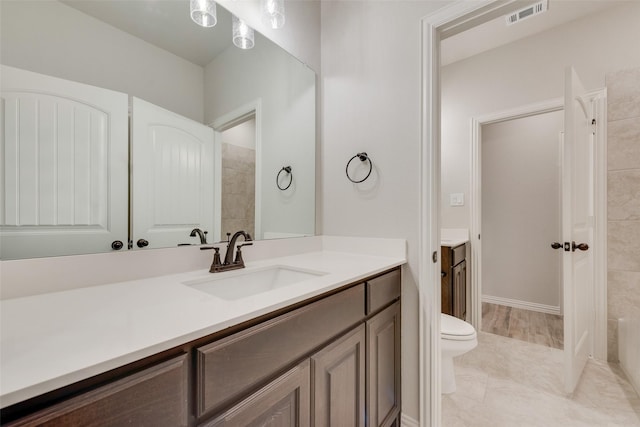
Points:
238	175
238	167
444	23
520	198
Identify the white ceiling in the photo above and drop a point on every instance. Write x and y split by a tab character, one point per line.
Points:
167	24
163	23
496	33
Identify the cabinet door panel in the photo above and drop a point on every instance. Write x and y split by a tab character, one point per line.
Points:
383	366
339	382
284	402
154	397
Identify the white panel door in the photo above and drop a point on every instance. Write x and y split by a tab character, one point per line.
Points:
171	177
577	229
63	176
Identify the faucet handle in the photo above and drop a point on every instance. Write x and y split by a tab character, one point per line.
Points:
216	265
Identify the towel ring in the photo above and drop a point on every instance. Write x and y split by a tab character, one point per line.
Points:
286	169
363	157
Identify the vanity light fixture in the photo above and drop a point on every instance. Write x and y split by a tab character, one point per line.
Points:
273	13
242	34
203	12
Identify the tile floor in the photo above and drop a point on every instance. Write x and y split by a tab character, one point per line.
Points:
510	383
526	325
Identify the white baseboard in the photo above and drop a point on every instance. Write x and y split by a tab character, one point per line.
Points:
407	421
533	306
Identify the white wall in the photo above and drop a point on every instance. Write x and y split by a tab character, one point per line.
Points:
521	209
242	135
52	38
288	132
371	102
530	70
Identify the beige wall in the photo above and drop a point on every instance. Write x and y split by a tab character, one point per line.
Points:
521	210
623	182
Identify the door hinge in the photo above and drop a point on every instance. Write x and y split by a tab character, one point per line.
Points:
567	247
593	122
434	256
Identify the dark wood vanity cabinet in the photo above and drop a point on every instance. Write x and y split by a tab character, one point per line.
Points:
454	281
156	396
333	361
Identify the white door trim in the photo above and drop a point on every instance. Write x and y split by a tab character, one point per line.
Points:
223	123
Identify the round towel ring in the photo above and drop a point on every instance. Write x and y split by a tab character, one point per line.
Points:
286	169
363	157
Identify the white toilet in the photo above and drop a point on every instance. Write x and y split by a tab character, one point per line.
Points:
456	338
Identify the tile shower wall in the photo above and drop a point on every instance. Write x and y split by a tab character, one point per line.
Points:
238	189
623	289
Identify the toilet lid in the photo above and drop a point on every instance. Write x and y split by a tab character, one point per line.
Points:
454	327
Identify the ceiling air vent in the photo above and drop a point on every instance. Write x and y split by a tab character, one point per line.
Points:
527	12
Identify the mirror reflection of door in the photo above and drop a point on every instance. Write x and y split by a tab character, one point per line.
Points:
238	194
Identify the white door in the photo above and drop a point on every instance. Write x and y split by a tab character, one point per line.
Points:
171	177
64	168
577	229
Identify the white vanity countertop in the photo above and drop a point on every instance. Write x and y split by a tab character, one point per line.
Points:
453	237
452	243
55	339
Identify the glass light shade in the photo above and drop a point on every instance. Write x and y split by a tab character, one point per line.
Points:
243	36
203	12
273	13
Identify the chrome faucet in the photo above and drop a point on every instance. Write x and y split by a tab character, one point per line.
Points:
229	262
203	236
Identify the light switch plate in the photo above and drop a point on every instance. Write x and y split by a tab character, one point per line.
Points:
456	199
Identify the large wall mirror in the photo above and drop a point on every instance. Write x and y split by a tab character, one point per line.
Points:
125	121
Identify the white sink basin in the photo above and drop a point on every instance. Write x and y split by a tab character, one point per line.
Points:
240	284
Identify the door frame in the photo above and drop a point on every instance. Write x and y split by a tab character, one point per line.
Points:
219	125
598	99
446	21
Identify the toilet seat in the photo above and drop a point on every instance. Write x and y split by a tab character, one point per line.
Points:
452	328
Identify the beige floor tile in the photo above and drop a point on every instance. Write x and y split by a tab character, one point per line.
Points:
512	383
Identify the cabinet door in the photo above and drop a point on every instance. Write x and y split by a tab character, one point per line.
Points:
283	402
383	366
460	290
154	397
446	281
339	381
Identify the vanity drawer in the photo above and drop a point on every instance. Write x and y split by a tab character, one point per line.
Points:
231	367
156	396
382	290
